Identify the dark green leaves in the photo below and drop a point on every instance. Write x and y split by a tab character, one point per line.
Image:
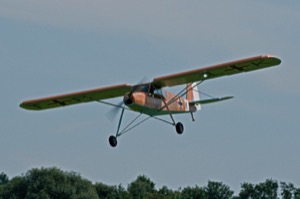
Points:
48	183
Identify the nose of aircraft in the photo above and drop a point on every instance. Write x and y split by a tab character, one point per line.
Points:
127	99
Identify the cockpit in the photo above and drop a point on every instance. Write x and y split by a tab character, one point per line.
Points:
152	90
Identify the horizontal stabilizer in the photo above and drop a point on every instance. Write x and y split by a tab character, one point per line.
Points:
208	101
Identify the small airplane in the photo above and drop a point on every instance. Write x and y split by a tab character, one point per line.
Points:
152	99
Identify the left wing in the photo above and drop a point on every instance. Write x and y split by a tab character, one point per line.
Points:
76	98
230	68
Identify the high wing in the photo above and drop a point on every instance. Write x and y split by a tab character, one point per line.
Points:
77	97
230	68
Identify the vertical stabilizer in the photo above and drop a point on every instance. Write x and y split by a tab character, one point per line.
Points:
192	94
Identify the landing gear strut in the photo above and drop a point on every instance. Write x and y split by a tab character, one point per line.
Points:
113	139
179	125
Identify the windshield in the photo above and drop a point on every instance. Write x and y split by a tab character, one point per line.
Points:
151	90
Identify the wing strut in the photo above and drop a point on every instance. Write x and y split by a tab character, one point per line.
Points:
167	106
180	94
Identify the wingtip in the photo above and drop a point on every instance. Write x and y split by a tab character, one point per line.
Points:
21	105
26	106
272	56
227	98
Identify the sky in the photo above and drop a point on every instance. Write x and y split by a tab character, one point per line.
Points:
55	47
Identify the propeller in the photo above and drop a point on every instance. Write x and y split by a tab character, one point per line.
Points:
111	114
144	80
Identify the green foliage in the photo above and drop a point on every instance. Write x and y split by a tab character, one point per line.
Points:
166	193
287	190
48	183
110	192
193	192
141	188
267	189
15	188
297	193
248	191
217	190
3	178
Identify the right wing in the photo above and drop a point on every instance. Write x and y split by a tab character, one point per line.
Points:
77	97
229	68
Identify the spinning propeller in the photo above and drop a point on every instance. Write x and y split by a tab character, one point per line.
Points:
111	114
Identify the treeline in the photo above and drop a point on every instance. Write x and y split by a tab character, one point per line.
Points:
47	183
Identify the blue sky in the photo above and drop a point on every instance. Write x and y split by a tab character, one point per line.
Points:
54	47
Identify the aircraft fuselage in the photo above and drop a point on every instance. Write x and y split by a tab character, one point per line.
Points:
156	104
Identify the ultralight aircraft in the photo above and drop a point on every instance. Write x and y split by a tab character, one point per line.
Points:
152	99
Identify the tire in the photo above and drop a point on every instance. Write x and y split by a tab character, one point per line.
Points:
113	141
179	128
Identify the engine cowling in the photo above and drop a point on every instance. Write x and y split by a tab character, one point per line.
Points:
127	100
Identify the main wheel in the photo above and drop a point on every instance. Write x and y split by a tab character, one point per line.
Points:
112	141
179	128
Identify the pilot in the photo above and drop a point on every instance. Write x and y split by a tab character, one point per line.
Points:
151	91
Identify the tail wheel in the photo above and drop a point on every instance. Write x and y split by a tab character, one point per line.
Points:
179	128
112	141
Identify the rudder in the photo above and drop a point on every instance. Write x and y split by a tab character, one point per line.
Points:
192	94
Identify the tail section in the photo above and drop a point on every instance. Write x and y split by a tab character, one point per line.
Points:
192	95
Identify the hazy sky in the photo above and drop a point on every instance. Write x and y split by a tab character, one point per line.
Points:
58	46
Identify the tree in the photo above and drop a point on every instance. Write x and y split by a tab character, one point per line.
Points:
3	178
287	190
110	192
141	187
15	188
49	183
297	193
193	192
217	190
248	191
166	193
267	189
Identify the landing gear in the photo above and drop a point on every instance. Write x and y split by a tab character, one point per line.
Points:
179	125
113	138
113	141
179	128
